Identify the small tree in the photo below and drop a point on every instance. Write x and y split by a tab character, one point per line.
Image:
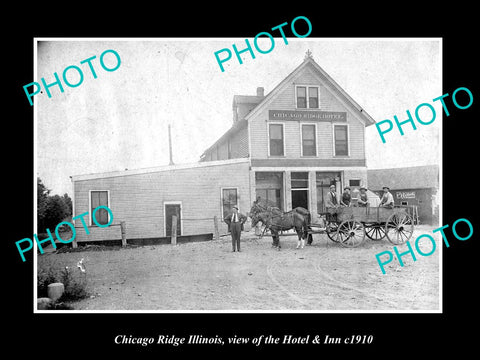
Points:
51	209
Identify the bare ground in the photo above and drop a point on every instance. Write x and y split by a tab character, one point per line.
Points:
208	276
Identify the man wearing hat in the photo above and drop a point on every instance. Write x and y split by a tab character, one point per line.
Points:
363	198
346	197
235	223
331	201
387	198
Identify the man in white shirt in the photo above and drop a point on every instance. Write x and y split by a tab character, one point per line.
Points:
387	198
332	201
235	223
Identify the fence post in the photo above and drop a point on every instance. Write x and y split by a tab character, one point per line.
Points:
174	230
215	226
123	230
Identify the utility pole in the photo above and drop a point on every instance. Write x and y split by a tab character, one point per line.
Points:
170	145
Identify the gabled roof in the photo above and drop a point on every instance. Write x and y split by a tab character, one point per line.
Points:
414	177
262	101
327	80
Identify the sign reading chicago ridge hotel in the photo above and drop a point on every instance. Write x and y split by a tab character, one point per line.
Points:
307	115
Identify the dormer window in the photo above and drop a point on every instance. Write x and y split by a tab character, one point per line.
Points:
307	97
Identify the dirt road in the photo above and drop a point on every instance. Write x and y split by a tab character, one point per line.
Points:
208	276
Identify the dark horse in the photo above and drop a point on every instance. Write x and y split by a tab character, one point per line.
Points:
275	220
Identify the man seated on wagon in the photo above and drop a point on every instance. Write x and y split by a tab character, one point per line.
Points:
346	197
387	198
363	198
331	201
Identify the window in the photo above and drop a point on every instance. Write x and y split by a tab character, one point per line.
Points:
355	183
307	97
301	97
341	139
99	198
313	97
309	144
299	180
271	197
229	199
269	187
275	132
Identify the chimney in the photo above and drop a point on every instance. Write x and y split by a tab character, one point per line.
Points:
260	91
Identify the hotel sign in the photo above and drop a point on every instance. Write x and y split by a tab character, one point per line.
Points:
311	115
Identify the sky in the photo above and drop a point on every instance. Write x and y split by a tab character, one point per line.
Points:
120	119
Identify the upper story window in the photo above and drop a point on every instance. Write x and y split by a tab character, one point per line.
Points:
309	143
275	141
307	97
340	134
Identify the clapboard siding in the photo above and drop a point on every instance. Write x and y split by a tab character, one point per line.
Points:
239	141
139	199
285	100
238	147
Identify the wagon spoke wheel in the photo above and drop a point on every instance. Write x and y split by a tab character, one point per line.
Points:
332	233
352	233
399	228
375	231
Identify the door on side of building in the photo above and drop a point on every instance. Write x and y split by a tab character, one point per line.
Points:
299	185
170	210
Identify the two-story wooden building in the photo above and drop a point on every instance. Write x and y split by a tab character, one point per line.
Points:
305	135
287	147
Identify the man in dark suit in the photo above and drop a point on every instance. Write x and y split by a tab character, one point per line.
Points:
346	197
235	223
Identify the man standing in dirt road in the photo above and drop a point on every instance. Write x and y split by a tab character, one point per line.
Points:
235	223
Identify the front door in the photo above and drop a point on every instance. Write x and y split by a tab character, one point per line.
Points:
170	210
299	186
300	199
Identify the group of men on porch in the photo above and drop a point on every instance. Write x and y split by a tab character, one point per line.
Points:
362	200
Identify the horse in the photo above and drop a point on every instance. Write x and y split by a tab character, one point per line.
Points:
275	220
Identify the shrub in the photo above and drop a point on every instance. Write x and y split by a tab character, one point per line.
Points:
44	278
73	279
75	283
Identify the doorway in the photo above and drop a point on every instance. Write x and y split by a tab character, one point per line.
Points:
170	210
299	198
299	189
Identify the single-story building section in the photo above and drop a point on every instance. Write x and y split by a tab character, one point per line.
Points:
410	186
146	199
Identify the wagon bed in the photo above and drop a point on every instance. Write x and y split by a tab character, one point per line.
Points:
350	225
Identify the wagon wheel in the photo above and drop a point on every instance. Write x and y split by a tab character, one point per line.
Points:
351	233
399	228
375	231
332	233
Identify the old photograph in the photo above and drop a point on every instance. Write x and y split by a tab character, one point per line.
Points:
209	175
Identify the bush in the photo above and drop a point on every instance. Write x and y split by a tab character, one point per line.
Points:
44	278
72	278
75	283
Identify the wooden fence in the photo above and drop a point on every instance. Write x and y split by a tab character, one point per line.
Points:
173	237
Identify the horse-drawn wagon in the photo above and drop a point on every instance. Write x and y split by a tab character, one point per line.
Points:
346	225
349	225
